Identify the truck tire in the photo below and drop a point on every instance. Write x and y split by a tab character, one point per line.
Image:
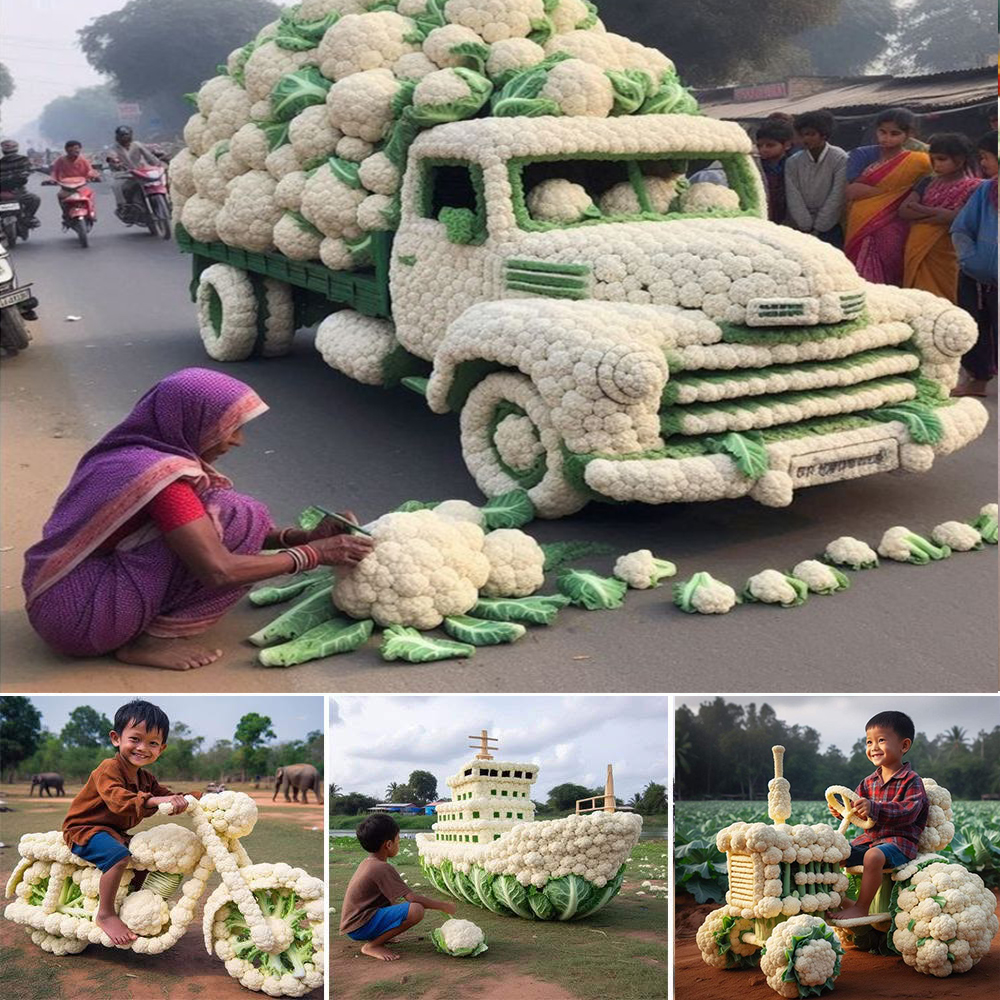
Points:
227	313
275	317
508	442
356	345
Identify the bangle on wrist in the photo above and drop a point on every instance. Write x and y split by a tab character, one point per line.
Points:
304	557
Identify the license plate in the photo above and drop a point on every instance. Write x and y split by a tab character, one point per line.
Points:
10	206
10	298
831	465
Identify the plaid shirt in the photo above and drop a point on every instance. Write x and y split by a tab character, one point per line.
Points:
899	807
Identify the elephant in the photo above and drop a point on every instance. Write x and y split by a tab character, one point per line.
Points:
298	777
47	781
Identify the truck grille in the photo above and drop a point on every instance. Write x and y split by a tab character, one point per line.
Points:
548	278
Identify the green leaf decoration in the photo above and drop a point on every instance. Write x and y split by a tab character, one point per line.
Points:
461	225
508	510
362	249
401	643
479	90
587	589
240	61
278	593
922	423
346	171
432	17
293	43
276	134
542	29
403	98
316	608
475	53
338	635
591	19
669	98
192	98
221	148
295	92
525	85
304	224
540	609
409	506
559	554
417	384
313	31
746	450
631	89
481	632
986	525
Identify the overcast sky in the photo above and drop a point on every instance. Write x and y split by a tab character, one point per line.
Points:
373	740
840	719
214	717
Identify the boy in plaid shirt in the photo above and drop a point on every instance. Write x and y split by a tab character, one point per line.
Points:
894	797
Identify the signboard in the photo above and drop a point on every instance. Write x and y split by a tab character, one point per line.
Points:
761	92
129	111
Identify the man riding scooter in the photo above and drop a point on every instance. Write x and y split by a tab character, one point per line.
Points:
77	203
127	154
73	164
15	169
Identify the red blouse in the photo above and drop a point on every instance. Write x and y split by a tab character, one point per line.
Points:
174	506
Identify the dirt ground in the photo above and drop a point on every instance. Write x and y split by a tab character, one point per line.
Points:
285	831
862	976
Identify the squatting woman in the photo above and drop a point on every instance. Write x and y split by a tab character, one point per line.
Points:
149	545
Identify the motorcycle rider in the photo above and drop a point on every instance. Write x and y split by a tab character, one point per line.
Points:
74	164
129	155
15	169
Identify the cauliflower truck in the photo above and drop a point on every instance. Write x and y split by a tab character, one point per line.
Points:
488	201
938	916
265	921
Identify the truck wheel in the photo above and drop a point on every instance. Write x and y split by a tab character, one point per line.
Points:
227	312
720	941
275	317
508	441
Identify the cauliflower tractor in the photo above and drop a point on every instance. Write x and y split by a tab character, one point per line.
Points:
265	921
935	914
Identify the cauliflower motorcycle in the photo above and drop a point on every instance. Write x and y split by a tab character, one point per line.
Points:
934	913
265	921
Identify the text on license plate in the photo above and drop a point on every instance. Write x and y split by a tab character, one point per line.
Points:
852	462
10	206
10	298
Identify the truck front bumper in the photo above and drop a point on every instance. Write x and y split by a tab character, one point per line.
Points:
811	460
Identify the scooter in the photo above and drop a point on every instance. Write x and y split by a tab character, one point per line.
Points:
16	303
13	225
79	211
154	209
264	921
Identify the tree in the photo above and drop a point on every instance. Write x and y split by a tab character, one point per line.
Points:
424	786
403	793
860	35
6	83
391	789
564	797
188	37
86	728
20	731
251	733
178	759
708	42
939	35
653	801
956	740
90	115
350	804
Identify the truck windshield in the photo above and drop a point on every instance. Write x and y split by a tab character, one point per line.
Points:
591	190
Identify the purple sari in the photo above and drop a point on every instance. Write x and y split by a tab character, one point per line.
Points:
85	603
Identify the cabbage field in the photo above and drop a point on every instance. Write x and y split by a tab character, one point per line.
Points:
700	867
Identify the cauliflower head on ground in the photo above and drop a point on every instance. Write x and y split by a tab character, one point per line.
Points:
957	536
819	577
423	569
642	570
851	552
806	950
517	564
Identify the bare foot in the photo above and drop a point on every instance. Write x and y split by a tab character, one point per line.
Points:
848	913
115	929
378	951
168	654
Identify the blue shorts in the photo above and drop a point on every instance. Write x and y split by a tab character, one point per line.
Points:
388	918
894	857
102	850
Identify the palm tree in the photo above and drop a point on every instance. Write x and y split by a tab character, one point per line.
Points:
391	790
334	789
956	739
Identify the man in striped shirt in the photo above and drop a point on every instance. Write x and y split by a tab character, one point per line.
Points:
893	797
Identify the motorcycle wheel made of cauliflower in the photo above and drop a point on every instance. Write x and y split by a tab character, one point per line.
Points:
227	313
508	442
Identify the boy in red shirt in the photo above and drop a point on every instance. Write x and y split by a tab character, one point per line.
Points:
894	797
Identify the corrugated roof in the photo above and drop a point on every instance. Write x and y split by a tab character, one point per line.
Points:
920	94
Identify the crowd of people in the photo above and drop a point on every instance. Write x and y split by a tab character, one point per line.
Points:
906	212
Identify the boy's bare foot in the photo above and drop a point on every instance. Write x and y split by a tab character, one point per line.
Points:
168	654
378	951
115	929
848	913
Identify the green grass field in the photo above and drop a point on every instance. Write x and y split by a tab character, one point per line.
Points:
621	949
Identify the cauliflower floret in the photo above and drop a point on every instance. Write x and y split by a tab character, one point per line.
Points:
957	536
297	238
312	135
268	63
517	564
703	197
166	848
250	146
569	15
282	161
819	577
705	595
440	45
179	172
610	51
377	213
560	200
197	136
362	104
513	54
579	88
365	41
622	199
248	216
641	569
852	552
211	90
354	149
903	545
199	216
230	113
495	20
288	191
144	912
812	962
460	935
331	204
232	814
459	510
413	66
379	174
773	587
421	570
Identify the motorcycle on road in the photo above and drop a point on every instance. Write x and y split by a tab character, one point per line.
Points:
15	300
13	224
79	212
151	205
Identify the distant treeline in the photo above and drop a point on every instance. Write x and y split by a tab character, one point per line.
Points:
723	750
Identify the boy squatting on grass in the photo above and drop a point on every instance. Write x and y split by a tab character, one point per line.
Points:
118	795
893	795
369	913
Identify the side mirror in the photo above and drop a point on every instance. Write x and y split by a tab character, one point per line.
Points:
461	225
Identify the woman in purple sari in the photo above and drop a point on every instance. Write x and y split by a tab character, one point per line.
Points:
149	545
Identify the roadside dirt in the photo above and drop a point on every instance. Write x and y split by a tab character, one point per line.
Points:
862	977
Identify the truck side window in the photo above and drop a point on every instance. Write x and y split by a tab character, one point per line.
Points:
447	186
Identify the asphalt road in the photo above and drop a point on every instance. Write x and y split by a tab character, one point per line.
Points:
332	441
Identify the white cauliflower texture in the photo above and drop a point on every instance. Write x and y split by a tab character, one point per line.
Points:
703	197
559	200
144	912
495	20
852	552
249	213
642	570
813	961
365	41
361	105
516	564
622	199
461	934
958	536
312	135
579	88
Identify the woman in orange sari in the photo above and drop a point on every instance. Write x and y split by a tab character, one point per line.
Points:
875	238
930	262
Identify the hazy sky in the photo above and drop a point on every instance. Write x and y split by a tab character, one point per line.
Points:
214	717
840	719
373	740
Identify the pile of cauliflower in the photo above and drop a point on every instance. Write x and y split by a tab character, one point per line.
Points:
300	144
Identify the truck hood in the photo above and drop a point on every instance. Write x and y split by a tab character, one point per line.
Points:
735	270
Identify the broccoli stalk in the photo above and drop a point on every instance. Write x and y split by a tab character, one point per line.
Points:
71	901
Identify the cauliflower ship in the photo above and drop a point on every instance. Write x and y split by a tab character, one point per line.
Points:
487	201
486	848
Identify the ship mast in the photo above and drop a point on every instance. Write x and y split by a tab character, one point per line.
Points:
483	746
